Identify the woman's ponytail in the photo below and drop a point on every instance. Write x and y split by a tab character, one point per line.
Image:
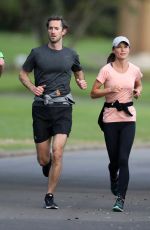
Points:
111	58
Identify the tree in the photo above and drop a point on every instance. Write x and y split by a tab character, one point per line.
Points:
10	14
134	20
85	16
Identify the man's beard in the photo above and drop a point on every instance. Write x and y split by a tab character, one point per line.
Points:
54	41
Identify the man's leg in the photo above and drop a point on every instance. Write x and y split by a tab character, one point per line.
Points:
58	144
43	152
44	157
59	141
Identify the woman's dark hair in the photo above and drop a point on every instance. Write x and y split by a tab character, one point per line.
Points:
57	18
111	58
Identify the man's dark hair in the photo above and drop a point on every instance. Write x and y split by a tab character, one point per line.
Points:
57	18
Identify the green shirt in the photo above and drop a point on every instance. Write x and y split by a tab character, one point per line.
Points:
1	55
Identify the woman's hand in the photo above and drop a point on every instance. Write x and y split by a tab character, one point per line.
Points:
136	93
115	89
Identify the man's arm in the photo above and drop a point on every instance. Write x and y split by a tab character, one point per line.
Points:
80	80
2	63
25	80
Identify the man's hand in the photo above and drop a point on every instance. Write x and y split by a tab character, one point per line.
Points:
1	65
2	62
82	84
38	91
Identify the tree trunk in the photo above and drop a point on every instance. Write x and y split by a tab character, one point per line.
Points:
134	21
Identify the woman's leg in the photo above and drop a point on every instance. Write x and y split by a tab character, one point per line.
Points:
127	134
111	135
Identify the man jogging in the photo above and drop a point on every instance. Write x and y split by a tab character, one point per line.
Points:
52	107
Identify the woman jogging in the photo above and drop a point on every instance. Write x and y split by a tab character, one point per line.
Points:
122	82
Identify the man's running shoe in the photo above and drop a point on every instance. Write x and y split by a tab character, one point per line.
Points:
114	186
118	206
46	169
49	201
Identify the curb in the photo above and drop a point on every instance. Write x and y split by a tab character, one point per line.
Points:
68	148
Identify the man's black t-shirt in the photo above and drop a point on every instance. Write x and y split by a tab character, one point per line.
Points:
53	68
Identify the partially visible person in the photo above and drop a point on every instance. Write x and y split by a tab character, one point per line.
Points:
2	63
53	65
121	81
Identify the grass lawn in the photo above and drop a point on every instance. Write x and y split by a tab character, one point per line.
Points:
16	122
15	100
13	44
92	51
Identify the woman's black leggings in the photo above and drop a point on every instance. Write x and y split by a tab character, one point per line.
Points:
119	137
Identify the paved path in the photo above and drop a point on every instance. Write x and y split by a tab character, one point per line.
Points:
83	194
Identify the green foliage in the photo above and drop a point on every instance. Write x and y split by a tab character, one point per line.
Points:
10	6
10	15
85	16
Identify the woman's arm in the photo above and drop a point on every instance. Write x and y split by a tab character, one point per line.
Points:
97	91
137	88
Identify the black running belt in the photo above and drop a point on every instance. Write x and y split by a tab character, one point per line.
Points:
119	106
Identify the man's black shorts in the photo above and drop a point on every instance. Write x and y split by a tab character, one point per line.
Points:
49	121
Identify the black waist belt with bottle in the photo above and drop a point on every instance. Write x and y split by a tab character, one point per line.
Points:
119	106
